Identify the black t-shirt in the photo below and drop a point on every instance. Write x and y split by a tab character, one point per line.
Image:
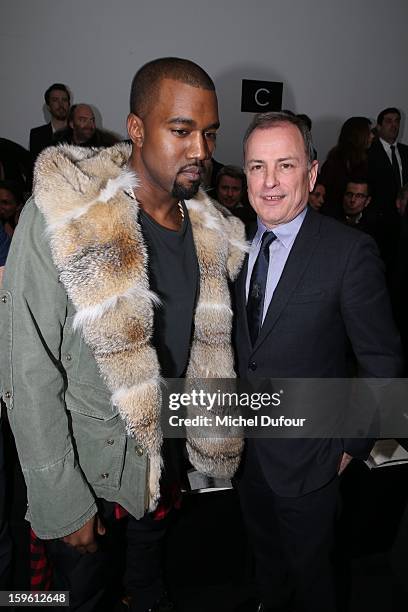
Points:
173	276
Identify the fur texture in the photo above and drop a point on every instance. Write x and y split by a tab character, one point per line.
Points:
98	248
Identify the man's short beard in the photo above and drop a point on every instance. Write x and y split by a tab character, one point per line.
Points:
181	192
60	116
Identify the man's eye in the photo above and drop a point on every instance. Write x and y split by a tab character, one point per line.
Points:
286	166
211	136
255	167
180	132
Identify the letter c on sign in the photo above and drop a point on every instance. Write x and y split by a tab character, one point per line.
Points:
258	91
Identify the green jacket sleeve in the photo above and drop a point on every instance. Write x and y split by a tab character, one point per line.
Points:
32	318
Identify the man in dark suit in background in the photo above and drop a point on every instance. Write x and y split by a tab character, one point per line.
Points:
310	285
357	207
387	172
58	99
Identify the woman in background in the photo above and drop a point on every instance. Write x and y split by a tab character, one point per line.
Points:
345	161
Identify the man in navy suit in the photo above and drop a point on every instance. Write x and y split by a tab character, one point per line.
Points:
388	171
58	99
310	287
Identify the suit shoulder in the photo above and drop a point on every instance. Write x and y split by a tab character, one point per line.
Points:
375	149
40	129
337	231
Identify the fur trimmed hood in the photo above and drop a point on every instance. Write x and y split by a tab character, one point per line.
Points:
99	250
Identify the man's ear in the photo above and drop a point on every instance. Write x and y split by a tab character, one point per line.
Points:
135	129
368	200
313	174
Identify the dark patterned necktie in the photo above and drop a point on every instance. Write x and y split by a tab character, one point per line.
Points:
257	286
395	167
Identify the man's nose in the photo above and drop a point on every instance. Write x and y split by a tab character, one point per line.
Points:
198	148
271	179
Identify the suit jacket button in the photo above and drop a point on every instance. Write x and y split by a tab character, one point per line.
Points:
139	450
110	441
105	476
253	365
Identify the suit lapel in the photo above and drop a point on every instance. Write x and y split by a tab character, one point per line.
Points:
404	162
295	266
380	158
386	162
384	156
241	299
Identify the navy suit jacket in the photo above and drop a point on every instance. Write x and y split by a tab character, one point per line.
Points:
331	293
381	177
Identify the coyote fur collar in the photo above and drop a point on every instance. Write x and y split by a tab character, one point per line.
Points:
98	248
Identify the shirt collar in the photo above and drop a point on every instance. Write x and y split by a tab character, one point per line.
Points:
285	233
387	145
354	220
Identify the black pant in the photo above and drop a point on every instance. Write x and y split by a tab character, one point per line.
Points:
5	542
144	576
292	539
93	578
85	576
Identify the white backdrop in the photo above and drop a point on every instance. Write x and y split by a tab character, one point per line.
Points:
336	59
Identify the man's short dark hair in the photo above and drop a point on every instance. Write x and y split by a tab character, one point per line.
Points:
232	171
146	81
388	111
358	180
58	87
264	121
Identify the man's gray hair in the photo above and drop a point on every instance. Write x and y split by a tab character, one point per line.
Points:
264	121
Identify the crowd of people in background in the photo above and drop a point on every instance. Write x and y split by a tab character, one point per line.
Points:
363	182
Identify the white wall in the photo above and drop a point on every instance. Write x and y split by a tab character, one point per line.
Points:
336	58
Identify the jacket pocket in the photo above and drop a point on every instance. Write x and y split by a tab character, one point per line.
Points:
89	401
100	446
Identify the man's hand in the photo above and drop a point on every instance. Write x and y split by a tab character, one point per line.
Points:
84	540
345	460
